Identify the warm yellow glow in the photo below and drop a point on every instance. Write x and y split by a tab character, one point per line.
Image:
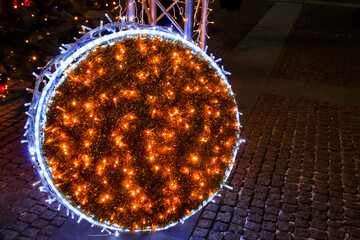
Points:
138	129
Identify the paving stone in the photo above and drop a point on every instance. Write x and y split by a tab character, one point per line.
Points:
10	166
235	228
290	200
289	208
203	223
246	18
28	217
231	236
48	215
18	209
353	222
25	238
220	226
321	206
255	218
261	196
269	226
209	215
241	212
301	232
215	236
318	224
250	235
320	197
336	216
8	234
18	226
37	209
230	202
8	178
48	230
193	238
200	232
253	226
353	232
304	215
30	232
270	217
223	217
316	234
267	235
28	202
336	233
352	212
242	204
283	236
40	223
285	226
319	215
212	207
18	172
238	220
258	203
352	205
302	223
287	217
271	210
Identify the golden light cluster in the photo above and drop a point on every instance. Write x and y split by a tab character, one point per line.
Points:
140	133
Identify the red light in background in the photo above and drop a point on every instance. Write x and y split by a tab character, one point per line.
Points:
26	3
2	88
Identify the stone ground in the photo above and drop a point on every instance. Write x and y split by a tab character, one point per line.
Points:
24	214
297	176
230	28
334	35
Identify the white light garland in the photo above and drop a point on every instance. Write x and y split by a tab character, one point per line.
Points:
55	73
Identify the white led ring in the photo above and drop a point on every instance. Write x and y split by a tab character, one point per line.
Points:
54	72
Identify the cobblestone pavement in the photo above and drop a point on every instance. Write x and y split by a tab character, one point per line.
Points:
24	214
230	28
338	1
323	47
297	177
298	174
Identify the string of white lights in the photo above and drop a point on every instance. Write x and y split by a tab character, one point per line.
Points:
54	73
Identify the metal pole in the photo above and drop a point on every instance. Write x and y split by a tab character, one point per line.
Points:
169	16
130	10
168	9
203	23
189	18
153	12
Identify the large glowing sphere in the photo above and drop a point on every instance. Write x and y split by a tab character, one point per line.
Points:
136	129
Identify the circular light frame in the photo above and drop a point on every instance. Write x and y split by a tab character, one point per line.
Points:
53	74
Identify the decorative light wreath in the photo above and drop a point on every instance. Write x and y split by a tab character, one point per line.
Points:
61	70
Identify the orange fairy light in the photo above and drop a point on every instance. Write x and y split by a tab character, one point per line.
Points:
134	131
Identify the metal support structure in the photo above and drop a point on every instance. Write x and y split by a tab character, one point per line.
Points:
130	10
203	23
189	18
153	12
168	9
162	8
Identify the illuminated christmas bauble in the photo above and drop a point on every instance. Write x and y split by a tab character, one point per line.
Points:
136	128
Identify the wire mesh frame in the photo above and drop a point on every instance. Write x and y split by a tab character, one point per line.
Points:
150	8
53	73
